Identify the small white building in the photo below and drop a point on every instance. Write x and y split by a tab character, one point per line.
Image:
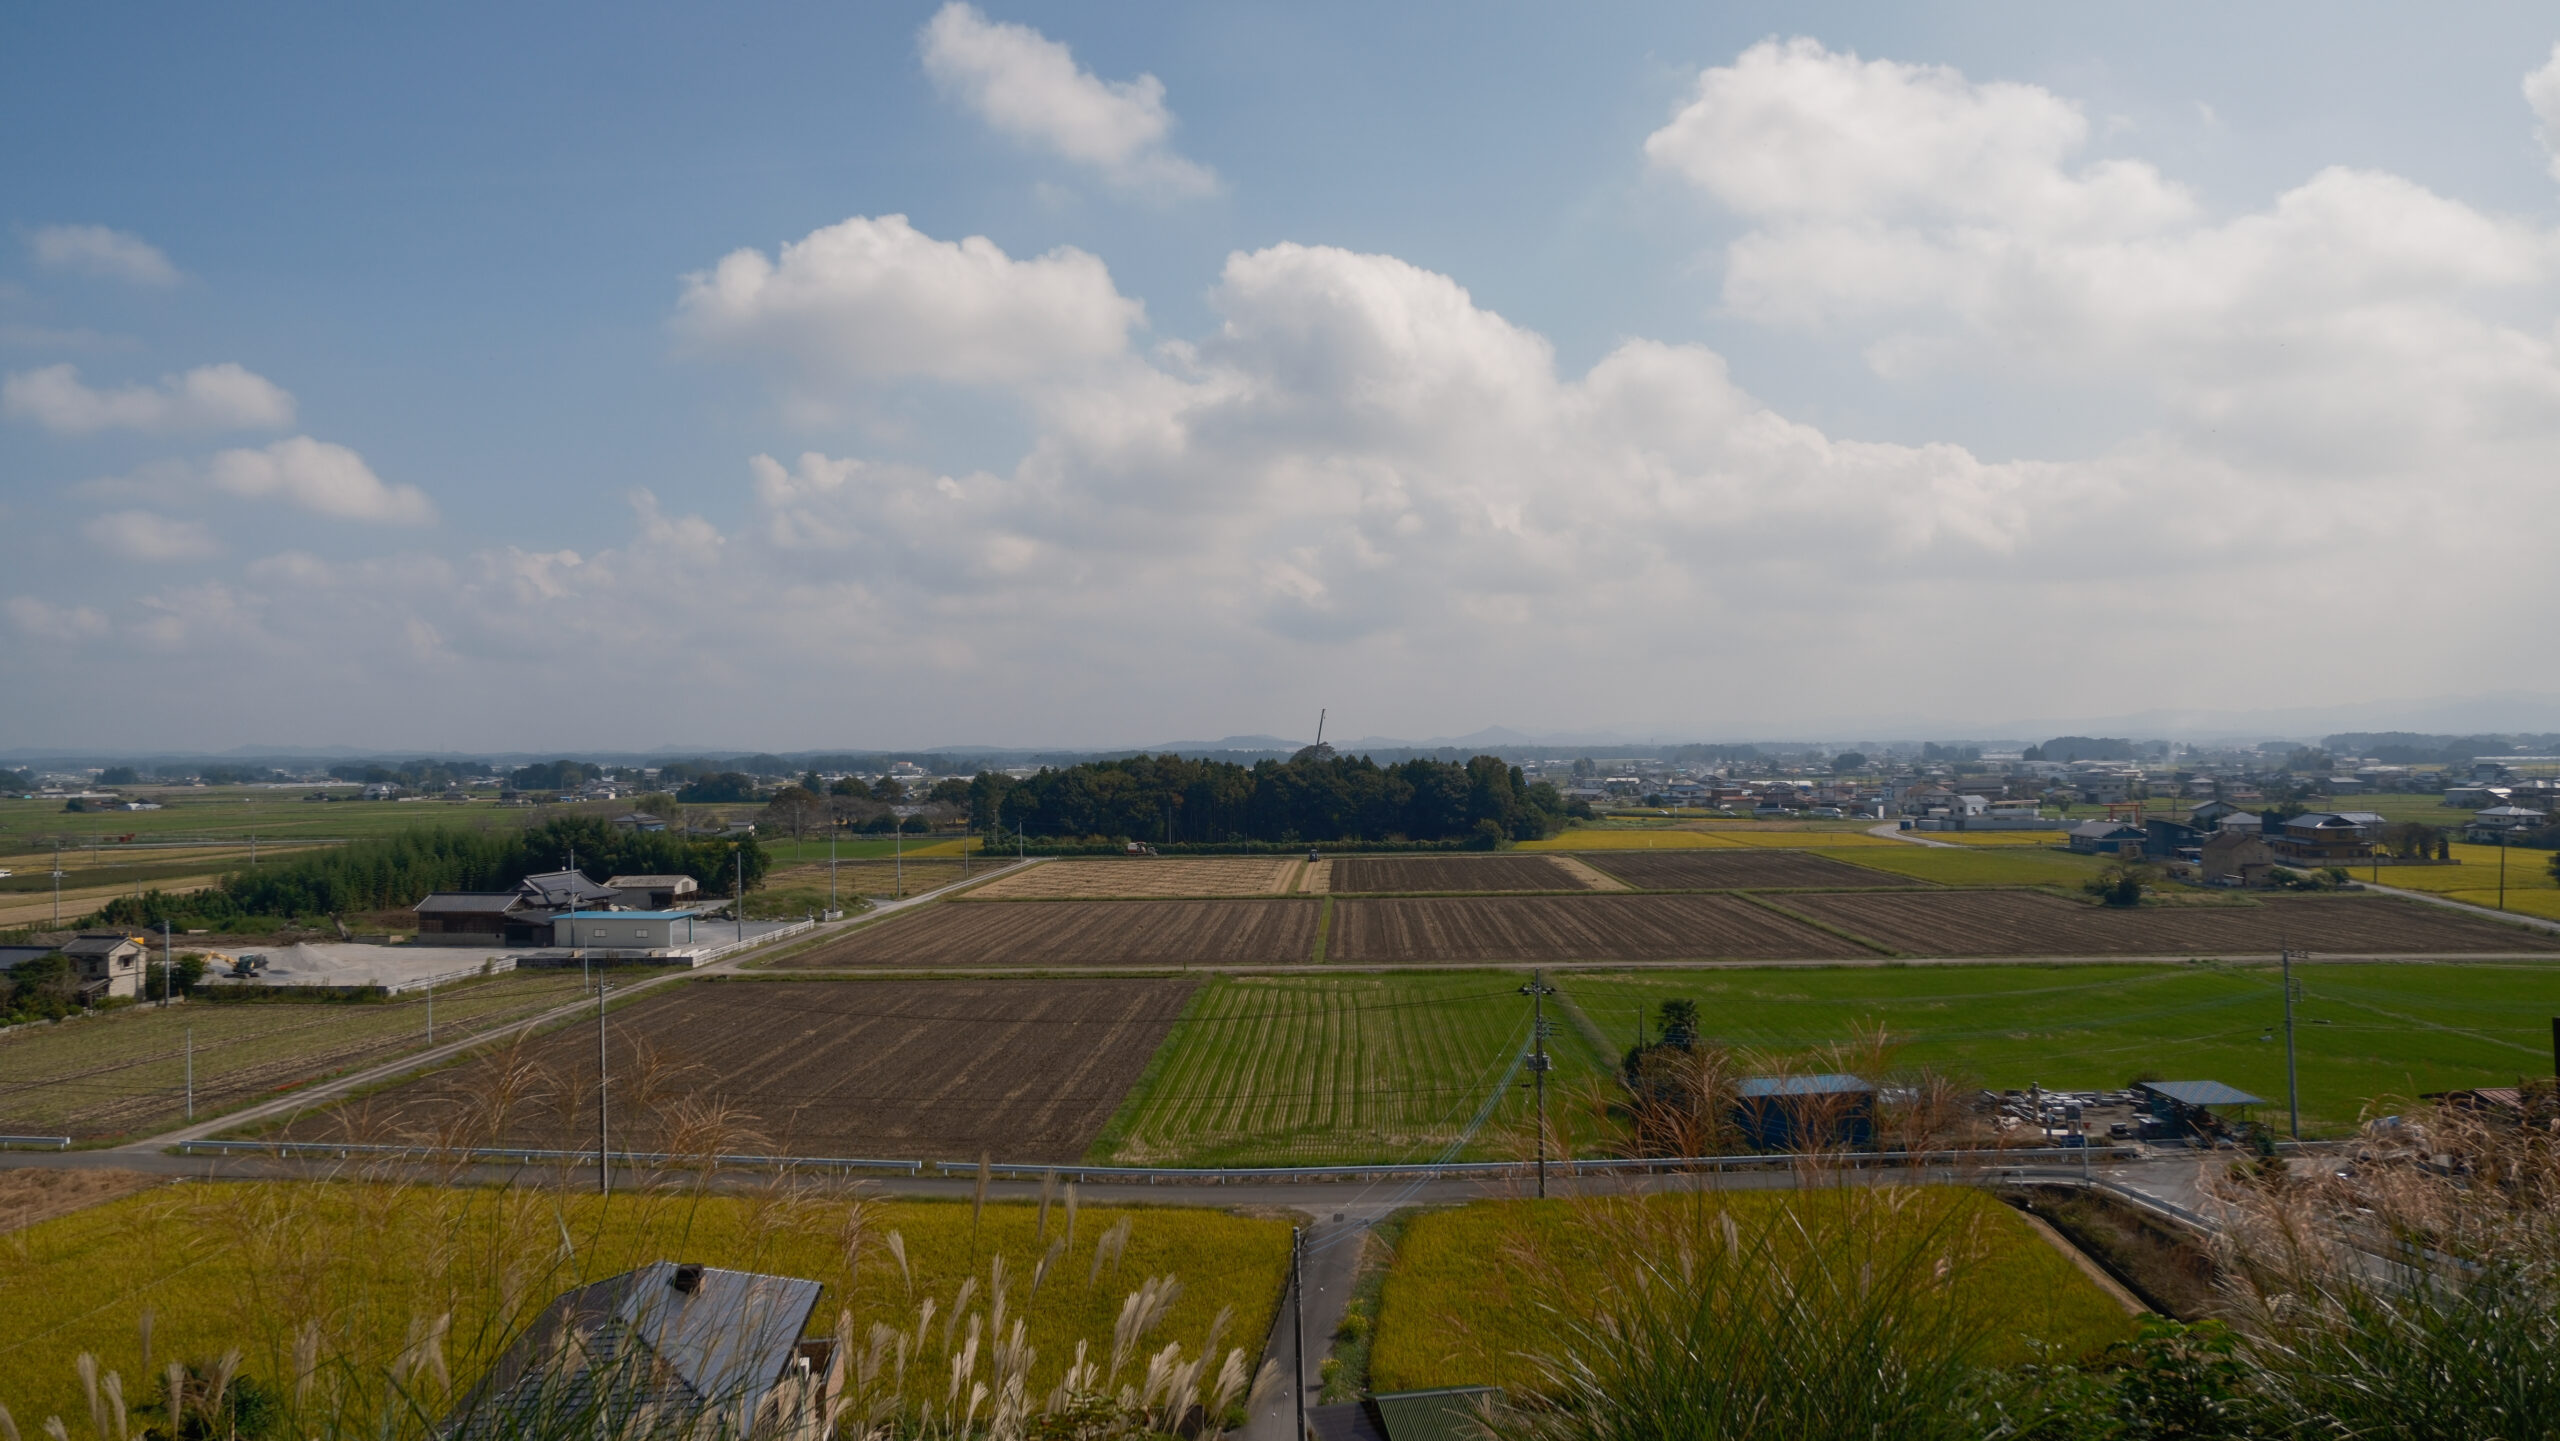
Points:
623	930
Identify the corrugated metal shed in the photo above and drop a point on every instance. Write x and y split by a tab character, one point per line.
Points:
1450	1414
1823	1085
2199	1093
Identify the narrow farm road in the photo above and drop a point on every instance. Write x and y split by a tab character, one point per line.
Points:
1894	832
2466	907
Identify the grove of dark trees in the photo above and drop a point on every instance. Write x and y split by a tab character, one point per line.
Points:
1310	797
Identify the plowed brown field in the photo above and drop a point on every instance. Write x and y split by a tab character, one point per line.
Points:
1736	870
1144	876
1079	933
2023	923
934	1069
1574	928
1451	873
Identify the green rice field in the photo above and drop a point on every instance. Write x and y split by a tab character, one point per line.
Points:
1978	866
1285	1070
2363	1031
1399	1066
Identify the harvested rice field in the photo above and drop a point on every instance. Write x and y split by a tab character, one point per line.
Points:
1738	870
1574	928
937	1070
2027	923
1434	874
1140	876
1078	933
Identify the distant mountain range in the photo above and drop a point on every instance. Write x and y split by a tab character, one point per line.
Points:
2499	712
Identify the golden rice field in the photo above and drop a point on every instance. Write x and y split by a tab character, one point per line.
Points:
2531	890
1476	1294
251	1265
2002	838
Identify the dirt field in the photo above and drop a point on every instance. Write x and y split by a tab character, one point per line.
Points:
1353	874
1573	928
1736	870
872	877
1146	876
934	1069
2022	923
1079	933
30	1195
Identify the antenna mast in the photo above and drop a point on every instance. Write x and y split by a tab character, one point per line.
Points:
1319	725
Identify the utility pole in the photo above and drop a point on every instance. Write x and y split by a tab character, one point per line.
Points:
742	890
57	885
831	867
604	1157
191	1073
898	850
2292	1083
1537	991
431	1015
168	966
1298	1324
2502	869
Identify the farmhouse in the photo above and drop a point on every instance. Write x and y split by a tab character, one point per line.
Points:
2235	858
2328	836
109	963
2108	838
2499	823
653	893
521	917
676	1352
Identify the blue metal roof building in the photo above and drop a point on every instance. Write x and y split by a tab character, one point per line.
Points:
1803	1113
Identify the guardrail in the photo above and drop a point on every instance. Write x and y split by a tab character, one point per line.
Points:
523	1155
1462	1170
48	1143
1030	1170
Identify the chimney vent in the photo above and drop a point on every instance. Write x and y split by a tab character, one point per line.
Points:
687	1279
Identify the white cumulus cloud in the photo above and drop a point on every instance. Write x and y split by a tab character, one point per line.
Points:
210	397
319	477
873	298
2357	321
1029	87
149	535
2542	92
97	250
39	619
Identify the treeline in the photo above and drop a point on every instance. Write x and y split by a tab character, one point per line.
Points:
1309	798
400	870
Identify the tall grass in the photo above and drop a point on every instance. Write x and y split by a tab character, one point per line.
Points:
1855	1311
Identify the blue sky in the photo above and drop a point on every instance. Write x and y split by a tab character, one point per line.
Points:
1713	371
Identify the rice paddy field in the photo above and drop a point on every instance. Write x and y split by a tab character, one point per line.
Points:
1984	866
1284	1070
219	1265
1407	1065
1140	876
1474	1294
123	1072
2363	1030
927	1069
2530	888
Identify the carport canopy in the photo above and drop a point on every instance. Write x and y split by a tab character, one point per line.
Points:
2199	1093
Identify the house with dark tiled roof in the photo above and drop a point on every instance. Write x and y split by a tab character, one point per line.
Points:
671	1352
